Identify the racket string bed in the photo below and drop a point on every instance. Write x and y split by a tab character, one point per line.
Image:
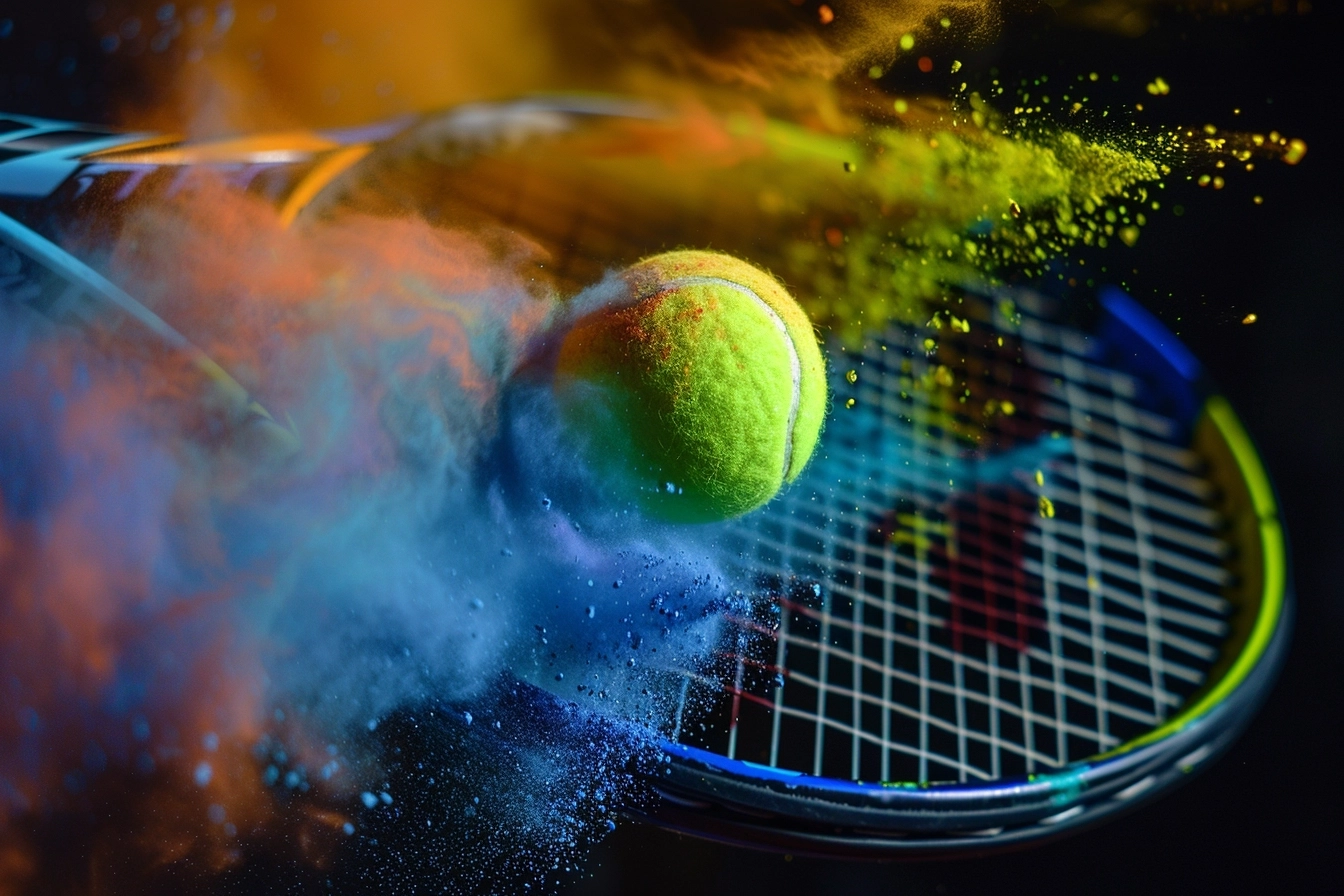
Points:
976	582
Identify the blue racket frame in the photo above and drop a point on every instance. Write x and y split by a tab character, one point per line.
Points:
739	802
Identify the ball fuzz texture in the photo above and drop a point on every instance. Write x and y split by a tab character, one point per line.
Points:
700	393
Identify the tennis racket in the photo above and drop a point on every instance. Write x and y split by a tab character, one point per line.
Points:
974	643
1033	577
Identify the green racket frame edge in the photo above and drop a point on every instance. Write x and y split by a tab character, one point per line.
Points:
733	801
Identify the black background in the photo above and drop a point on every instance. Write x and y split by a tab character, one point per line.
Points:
1267	816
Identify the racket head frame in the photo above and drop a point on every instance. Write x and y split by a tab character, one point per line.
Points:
706	794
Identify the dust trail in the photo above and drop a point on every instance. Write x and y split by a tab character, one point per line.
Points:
233	634
251	64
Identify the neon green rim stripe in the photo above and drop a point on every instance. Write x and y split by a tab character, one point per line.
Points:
1274	553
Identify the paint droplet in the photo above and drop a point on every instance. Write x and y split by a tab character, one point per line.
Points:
1296	150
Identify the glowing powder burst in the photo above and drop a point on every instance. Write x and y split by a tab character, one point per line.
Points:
334	643
417	650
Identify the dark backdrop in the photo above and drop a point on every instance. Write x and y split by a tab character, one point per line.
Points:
1267	817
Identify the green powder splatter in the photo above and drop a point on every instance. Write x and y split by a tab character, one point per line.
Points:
948	206
865	215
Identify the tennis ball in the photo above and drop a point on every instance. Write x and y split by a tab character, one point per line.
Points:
699	393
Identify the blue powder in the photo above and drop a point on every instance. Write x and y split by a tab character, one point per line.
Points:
437	622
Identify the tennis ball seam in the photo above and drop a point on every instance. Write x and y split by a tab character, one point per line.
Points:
795	364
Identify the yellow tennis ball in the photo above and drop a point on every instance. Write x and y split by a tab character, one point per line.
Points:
700	393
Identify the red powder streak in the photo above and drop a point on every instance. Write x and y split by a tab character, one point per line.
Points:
991	596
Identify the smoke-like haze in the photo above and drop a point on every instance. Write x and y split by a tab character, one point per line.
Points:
180	613
250	64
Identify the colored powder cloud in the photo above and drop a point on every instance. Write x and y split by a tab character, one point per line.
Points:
239	656
227	631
